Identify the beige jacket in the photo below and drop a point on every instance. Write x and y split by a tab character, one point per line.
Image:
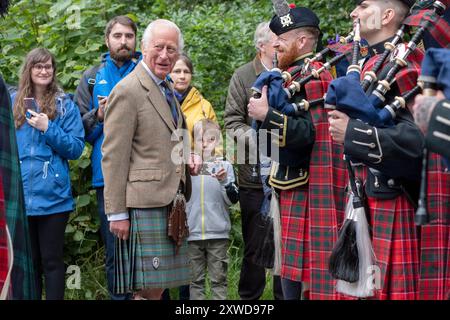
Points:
137	165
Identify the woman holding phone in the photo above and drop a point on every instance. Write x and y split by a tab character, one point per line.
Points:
49	132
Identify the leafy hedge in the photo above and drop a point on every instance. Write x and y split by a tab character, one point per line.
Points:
218	37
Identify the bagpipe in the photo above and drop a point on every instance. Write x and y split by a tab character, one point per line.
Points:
283	85
347	94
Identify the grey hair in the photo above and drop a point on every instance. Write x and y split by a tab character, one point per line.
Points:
262	34
159	23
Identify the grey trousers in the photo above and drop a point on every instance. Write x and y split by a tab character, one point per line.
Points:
208	256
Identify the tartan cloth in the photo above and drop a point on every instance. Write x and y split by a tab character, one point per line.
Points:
310	215
434	283
295	234
3	240
326	205
148	260
396	246
315	88
439	30
22	278
406	78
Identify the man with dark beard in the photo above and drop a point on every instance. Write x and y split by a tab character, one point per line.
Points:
91	98
305	171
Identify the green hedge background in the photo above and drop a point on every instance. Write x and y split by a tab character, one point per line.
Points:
218	37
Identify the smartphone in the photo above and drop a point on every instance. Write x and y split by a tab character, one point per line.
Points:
30	103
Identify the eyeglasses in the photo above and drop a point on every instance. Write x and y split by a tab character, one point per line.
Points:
39	67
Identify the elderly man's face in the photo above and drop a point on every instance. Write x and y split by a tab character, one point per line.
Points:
161	52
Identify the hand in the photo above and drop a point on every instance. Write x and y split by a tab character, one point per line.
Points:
101	109
220	175
38	120
195	164
258	108
423	107
338	125
120	228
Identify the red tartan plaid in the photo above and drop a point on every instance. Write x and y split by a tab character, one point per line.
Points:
316	88
434	281
3	239
326	205
440	29
294	234
406	78
396	246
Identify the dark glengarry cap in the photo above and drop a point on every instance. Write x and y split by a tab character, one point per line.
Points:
409	3
296	18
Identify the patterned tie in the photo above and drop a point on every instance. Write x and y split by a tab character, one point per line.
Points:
171	101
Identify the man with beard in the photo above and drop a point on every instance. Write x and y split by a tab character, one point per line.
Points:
91	97
303	173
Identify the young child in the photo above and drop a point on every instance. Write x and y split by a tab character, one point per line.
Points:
213	191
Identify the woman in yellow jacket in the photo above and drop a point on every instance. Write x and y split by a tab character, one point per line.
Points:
193	105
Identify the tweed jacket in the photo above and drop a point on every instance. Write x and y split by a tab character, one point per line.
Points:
140	141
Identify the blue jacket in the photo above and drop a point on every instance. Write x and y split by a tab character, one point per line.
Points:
103	79
44	159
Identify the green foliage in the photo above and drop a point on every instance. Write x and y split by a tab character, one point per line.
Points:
218	37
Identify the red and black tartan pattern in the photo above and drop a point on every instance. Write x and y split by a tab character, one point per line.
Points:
326	205
294	234
440	29
310	215
396	246
434	281
406	78
3	239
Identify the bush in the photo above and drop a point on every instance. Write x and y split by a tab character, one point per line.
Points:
218	37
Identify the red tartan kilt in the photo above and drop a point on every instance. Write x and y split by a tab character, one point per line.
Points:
396	246
294	234
435	237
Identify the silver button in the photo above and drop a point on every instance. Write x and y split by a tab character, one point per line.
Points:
20	161
57	175
372	145
369	132
391	183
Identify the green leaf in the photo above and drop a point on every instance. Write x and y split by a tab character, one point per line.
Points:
78	236
83	200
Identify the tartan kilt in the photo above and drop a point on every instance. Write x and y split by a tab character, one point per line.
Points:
396	246
326	205
434	283
147	259
294	234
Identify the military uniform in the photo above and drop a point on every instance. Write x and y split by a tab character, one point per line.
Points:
310	176
391	160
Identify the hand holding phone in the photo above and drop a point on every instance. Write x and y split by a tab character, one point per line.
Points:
31	105
101	107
